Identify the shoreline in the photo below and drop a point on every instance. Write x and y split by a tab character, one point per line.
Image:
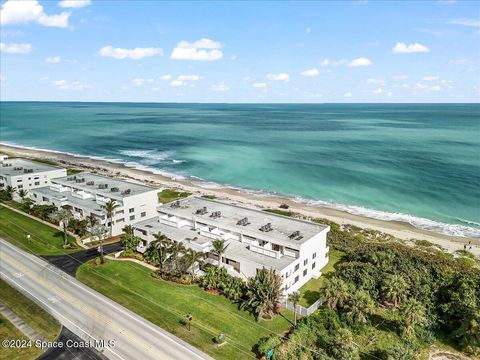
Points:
401	230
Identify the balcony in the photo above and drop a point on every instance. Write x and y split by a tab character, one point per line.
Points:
255	247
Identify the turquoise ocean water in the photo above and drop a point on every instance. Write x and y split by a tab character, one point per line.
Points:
418	163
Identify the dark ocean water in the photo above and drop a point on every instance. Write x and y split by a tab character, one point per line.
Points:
418	163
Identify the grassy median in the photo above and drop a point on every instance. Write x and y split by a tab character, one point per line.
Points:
44	239
166	304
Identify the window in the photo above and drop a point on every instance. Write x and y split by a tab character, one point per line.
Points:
305	272
143	214
46	182
119	212
19	180
314	255
275	247
44	199
297	267
20	186
37	182
313	266
287	275
326	255
296	279
305	262
131	210
120	220
132	217
29	178
142	231
36	178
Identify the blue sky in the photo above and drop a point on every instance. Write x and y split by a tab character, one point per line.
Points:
352	51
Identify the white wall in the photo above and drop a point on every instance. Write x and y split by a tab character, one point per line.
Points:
33	180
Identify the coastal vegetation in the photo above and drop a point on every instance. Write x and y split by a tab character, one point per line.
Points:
386	300
169	195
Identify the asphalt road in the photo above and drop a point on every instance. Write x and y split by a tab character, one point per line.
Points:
70	263
88	314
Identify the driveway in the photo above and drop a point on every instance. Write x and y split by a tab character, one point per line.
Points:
71	262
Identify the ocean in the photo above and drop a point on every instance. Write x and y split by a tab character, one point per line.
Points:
417	163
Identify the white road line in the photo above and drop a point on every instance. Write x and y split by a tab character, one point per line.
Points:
105	300
55	311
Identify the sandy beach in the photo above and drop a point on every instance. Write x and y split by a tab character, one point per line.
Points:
403	231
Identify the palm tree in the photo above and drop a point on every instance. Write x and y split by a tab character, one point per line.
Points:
264	291
344	346
394	289
160	243
219	248
63	215
9	190
295	299
128	229
176	249
109	208
92	220
193	257
22	193
360	305
413	314
99	231
335	292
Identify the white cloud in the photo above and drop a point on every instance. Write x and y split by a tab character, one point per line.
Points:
189	77
259	85
376	81
428	87
378	91
200	50
330	62
69	85
360	62
177	83
430	78
44	78
140	81
134	54
399	77
460	61
347	95
53	59
310	73
278	77
308	30
15	48
403	48
75	4
219	87
23	12
466	22
165	77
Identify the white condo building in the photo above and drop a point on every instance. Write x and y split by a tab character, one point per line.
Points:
296	249
87	192
24	174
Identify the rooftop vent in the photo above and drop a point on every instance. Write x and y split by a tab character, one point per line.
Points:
216	214
266	228
103	186
114	189
175	204
202	211
90	182
28	171
126	192
70	178
295	235
243	222
18	168
79	180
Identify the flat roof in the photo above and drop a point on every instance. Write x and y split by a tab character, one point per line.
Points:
16	167
88	204
282	227
236	250
90	183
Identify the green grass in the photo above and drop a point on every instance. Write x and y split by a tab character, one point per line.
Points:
44	240
14	204
280	212
210	197
73	171
311	290
44	161
166	304
168	195
37	318
10	332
